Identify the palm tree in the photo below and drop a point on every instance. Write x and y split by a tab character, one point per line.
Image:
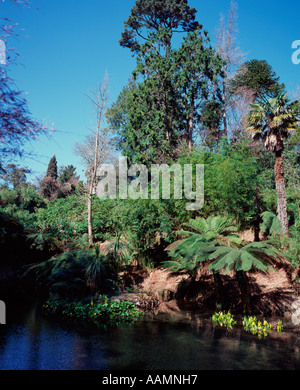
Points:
120	252
71	274
273	120
94	270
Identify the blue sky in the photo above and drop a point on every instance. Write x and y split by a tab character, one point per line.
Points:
66	46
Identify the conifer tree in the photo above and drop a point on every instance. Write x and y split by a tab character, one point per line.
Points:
259	77
148	16
67	173
52	169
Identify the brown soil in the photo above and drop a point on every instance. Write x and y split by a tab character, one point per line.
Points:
272	293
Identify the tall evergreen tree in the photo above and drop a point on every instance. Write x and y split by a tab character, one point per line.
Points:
155	116
67	173
197	70
14	175
171	84
259	77
151	15
52	169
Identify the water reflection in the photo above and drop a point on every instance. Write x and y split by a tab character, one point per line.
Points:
166	341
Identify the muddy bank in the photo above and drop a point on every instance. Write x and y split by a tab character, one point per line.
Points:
273	293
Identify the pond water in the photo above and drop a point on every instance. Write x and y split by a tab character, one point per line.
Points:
177	341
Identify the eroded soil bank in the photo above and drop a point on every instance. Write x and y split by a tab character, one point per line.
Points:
273	293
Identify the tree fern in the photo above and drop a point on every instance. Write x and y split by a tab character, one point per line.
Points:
217	225
270	223
241	260
250	256
203	237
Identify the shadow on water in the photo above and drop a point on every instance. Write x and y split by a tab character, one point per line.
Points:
184	340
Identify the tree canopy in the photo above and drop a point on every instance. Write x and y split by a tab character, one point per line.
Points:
52	169
259	77
152	15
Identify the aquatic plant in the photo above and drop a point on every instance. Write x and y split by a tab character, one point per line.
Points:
102	311
250	324
256	327
224	319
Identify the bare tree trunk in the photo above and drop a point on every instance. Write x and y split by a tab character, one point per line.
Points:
220	301
191	126
228	49
281	194
224	103
244	286
90	219
93	179
95	151
92	183
257	220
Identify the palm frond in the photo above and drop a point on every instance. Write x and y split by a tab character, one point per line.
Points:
279	114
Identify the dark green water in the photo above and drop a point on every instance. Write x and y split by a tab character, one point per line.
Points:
182	341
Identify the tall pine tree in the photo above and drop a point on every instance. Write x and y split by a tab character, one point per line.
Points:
149	16
258	76
155	117
52	169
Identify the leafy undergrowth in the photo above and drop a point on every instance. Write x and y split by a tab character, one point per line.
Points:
101	312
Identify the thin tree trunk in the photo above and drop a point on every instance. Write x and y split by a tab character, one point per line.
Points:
257	220
244	286
230	53
100	103
219	290
281	194
191	126
216	130
167	123
224	108
91	188
90	219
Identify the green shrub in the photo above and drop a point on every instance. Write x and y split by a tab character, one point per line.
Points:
73	274
25	197
103	311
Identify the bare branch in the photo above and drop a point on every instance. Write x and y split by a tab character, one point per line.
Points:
97	148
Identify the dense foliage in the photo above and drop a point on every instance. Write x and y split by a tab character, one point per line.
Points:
173	110
101	312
